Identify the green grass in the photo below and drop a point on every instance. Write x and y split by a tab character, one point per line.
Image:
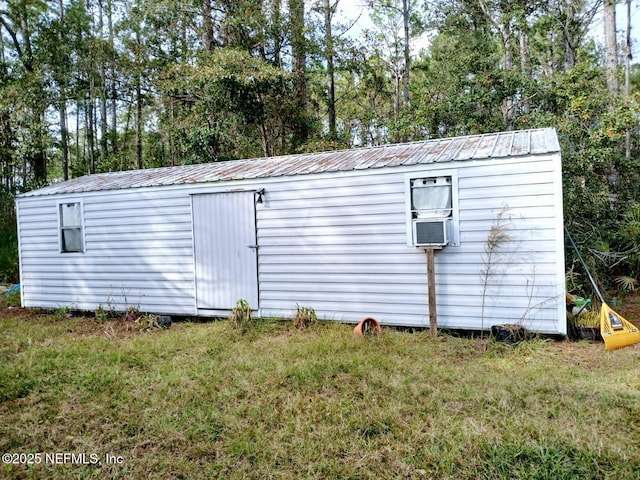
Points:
202	400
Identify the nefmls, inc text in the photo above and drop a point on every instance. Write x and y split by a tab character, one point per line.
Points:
60	458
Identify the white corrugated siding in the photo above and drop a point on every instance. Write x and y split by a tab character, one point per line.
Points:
335	242
138	253
339	247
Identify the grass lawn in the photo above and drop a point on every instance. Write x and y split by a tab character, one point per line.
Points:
202	400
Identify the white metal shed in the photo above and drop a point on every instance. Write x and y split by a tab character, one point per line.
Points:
334	231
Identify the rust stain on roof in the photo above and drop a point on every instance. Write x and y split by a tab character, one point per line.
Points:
474	147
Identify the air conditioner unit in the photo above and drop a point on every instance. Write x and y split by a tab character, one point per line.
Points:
430	233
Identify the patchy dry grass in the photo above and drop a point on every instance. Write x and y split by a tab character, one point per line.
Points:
206	401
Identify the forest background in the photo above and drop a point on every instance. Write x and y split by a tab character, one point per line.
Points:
104	85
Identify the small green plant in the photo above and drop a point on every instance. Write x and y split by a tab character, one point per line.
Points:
572	279
240	315
63	313
132	314
101	313
625	284
147	322
304	317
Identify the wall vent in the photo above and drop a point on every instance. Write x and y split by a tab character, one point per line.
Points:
430	233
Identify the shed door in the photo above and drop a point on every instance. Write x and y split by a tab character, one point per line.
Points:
226	256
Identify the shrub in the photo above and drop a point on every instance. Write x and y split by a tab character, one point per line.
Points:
63	313
9	265
149	322
240	316
305	317
101	314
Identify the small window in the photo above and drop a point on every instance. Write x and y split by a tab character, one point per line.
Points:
431	197
71	237
432	208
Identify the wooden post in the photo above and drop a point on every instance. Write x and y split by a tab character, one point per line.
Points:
431	285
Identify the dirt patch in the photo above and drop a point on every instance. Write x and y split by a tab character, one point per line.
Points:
582	353
115	328
79	325
24	314
630	309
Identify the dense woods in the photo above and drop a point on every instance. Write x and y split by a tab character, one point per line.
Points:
103	85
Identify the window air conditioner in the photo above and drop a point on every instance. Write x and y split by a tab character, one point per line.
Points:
430	233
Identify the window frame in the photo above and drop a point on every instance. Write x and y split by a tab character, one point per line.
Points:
62	227
453	219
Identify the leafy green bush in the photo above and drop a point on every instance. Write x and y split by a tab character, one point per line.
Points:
9	266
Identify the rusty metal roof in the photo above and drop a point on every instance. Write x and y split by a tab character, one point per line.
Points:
474	147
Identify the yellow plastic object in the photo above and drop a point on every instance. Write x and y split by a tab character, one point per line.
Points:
616	331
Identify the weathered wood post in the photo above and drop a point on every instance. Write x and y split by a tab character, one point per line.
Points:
431	287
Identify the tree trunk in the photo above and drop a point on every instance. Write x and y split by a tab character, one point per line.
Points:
627	75
296	11
610	45
138	122
276	20
299	53
64	133
39	159
62	110
113	92
267	149
103	85
77	138
397	81
504	32
331	85
525	61
568	40
126	131
548	64
27	59
172	149
2	56
407	53
138	88
89	129
207	26
508	111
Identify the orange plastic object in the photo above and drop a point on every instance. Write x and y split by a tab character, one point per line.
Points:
367	326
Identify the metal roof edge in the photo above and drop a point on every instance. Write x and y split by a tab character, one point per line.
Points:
544	140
